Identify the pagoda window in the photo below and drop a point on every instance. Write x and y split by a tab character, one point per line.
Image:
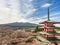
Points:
49	24
45	29
50	29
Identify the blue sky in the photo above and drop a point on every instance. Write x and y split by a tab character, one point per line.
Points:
33	11
41	12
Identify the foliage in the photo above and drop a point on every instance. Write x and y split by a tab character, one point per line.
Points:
36	29
9	36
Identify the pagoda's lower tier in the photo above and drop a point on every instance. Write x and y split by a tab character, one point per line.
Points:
49	36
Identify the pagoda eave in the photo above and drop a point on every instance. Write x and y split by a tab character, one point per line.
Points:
50	22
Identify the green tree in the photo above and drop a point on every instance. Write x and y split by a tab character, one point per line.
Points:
36	29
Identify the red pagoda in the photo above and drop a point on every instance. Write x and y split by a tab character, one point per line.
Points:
49	28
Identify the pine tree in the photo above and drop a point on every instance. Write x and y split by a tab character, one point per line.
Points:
36	29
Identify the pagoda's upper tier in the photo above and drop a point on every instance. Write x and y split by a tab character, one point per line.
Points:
49	22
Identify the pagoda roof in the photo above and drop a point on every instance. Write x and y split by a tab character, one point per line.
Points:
45	33
54	22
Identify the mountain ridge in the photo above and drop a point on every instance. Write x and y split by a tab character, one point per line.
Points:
19	24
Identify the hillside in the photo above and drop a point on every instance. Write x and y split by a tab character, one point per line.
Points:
19	24
19	37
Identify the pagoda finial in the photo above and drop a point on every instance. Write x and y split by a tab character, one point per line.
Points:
48	14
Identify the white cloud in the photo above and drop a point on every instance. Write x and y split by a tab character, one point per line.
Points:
46	5
57	25
16	10
36	20
51	15
10	10
26	7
